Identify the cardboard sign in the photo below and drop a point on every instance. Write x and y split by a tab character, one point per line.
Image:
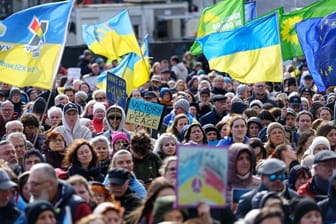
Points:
144	113
74	73
116	90
201	175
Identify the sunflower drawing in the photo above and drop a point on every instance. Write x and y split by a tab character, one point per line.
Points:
288	33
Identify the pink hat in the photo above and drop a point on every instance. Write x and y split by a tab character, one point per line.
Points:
119	135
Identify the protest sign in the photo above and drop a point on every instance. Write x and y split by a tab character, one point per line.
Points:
144	113
116	90
74	73
201	175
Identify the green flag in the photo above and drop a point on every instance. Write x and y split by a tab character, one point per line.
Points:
290	45
222	16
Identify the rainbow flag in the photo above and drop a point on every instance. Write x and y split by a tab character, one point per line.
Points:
112	38
32	43
249	54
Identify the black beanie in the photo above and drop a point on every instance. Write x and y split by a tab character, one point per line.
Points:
302	207
238	107
39	105
33	210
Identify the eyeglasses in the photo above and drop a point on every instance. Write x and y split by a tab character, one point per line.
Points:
114	117
100	98
274	177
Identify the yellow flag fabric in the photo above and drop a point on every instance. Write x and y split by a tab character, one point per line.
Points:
249	54
32	43
112	38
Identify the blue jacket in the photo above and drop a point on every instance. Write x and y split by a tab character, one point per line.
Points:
211	117
228	140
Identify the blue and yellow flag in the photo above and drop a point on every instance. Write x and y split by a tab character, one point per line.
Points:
249	54
112	38
317	37
134	69
32	43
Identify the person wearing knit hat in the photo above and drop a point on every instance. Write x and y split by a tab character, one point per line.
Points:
81	98
38	211
16	99
211	133
119	140
166	97
39	107
276	135
256	105
319	143
163	206
181	106
98	117
254	125
305	210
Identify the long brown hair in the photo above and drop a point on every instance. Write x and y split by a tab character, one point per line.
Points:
71	155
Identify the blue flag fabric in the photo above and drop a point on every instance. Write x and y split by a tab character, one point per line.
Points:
327	52
318	40
250	11
245	52
32	43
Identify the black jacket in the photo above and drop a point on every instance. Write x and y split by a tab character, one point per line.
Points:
245	205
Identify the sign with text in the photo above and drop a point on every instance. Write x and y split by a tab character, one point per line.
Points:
116	90
144	113
201	175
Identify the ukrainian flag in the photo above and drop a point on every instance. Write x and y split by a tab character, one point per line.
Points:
32	43
134	69
112	38
249	54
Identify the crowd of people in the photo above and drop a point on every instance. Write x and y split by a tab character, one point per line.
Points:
68	155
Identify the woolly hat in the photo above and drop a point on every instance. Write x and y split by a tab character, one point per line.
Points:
100	106
255	120
227	80
13	91
238	107
319	140
82	95
182	103
165	90
163	205
119	135
330	97
302	206
39	105
33	210
256	103
209	127
273	125
241	89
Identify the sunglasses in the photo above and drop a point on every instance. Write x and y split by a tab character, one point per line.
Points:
274	177
114	117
